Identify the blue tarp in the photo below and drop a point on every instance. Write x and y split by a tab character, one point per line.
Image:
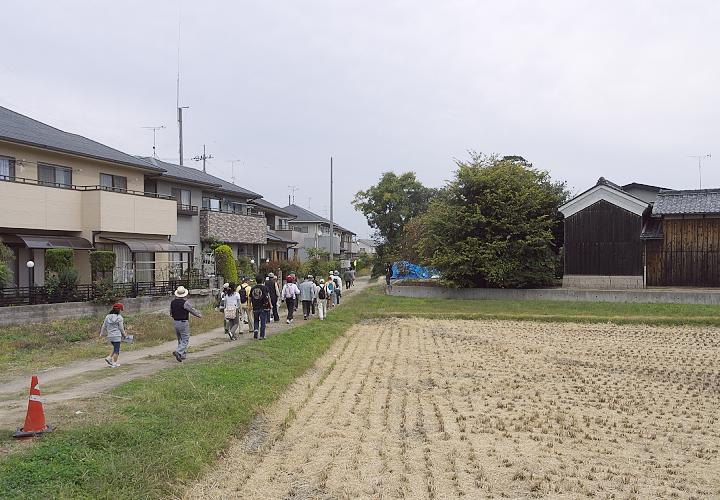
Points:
406	270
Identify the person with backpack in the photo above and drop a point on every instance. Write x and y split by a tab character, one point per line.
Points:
244	291
307	293
321	299
180	310
261	306
289	292
113	328
230	307
338	286
274	290
330	290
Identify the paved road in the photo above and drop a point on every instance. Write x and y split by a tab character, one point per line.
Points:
92	377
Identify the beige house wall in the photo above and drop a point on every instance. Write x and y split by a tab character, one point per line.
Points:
38	207
85	171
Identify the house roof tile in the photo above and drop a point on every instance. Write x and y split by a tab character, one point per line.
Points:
687	202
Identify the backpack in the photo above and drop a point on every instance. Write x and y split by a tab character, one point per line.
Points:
321	293
243	295
330	287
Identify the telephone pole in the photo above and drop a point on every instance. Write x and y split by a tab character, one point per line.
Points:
291	196
332	222
700	158
204	157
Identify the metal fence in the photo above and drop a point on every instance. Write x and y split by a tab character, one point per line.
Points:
17	296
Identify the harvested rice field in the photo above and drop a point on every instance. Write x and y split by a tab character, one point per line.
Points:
417	408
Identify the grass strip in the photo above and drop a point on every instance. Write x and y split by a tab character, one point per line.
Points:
170	426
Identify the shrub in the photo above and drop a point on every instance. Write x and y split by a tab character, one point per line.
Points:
101	263
58	259
104	292
62	285
244	267
6	259
225	264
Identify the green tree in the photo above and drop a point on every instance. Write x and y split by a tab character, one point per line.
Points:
225	264
6	260
494	224
390	204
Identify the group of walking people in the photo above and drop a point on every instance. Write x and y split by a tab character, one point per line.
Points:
254	305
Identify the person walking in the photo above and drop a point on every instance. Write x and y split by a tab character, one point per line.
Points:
180	310
307	293
322	297
261	305
288	294
347	277
313	304
274	290
231	310
388	275
244	291
113	328
338	286
330	292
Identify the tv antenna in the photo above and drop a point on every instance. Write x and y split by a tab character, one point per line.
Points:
700	158
232	163
291	196
154	129
204	157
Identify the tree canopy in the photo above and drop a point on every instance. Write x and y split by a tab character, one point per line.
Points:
493	224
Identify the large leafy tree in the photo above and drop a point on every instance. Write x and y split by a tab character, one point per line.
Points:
391	203
494	224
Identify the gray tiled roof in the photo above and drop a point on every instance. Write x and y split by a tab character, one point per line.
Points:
21	129
271	207
194	175
303	215
368	243
697	201
652	230
273	236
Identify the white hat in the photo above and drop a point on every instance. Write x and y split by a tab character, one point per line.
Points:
181	292
226	285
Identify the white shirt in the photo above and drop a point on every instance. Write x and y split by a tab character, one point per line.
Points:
232	300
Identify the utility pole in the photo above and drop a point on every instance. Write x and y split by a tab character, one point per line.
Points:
700	158
292	194
154	129
180	142
332	222
204	157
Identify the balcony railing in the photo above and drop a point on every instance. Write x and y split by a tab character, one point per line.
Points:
187	209
242	212
97	187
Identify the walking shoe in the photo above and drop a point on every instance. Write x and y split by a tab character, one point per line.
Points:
255	334
177	356
288	322
109	360
115	365
262	338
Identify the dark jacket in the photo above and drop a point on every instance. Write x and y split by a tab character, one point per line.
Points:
259	297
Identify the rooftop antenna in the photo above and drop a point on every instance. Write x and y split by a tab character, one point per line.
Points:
291	196
309	200
233	162
700	158
154	129
204	158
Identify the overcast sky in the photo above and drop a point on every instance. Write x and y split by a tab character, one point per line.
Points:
621	89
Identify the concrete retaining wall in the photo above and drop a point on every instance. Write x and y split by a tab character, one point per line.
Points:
602	282
709	297
41	313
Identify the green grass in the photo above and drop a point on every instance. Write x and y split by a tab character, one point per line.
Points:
159	432
41	345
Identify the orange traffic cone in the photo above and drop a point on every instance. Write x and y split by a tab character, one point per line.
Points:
35	418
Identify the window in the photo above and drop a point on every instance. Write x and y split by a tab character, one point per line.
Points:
303	229
52	175
324	230
182	196
282	224
113	182
7	168
211	204
240	208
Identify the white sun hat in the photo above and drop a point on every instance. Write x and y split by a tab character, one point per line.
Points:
181	292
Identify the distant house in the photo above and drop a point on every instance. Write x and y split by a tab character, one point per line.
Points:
638	235
367	246
311	230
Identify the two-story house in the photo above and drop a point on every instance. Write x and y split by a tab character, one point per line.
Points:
311	230
279	245
62	190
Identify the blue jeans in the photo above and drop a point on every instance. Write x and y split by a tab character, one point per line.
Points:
260	319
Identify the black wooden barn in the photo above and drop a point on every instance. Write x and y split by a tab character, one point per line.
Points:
638	235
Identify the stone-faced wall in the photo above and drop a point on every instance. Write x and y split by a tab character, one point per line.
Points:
233	228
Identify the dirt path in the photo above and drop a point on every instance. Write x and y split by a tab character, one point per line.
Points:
446	409
92	377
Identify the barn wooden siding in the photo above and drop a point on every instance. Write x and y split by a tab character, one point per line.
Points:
603	239
688	255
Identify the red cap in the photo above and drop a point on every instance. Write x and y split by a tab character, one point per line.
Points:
118	306
289	279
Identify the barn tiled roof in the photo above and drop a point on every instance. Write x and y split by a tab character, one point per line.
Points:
21	129
688	202
652	230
